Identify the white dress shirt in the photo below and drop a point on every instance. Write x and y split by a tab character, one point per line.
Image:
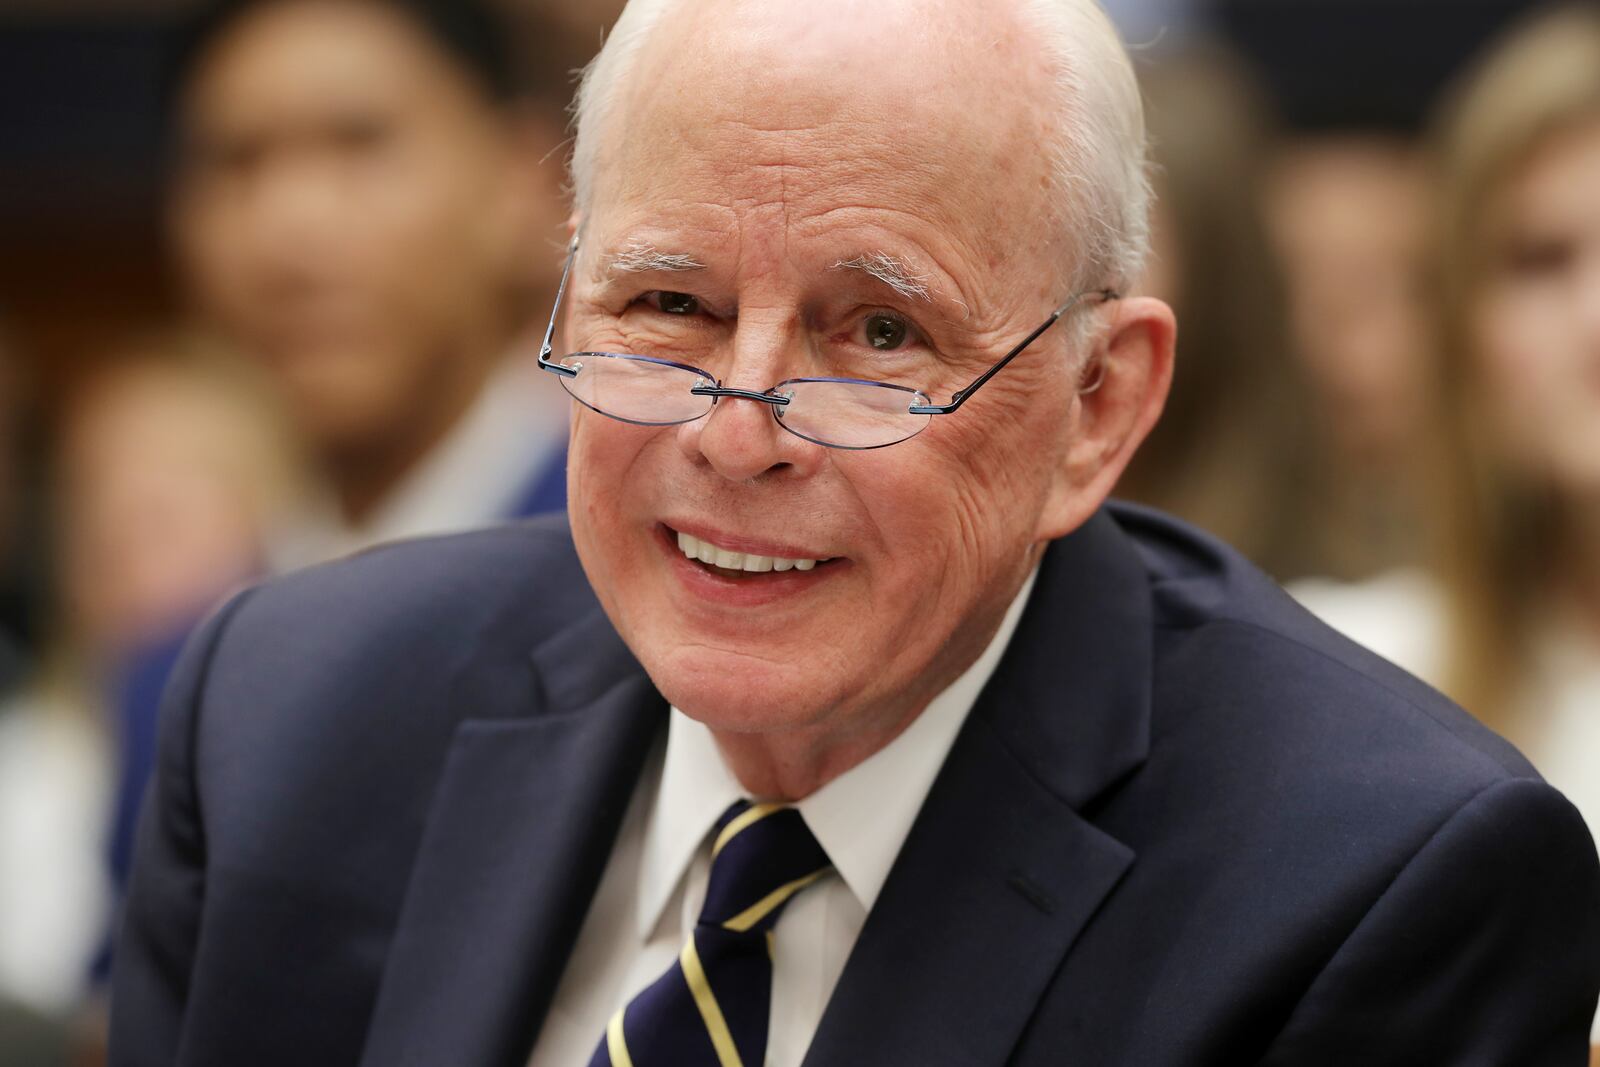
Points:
650	894
470	479
56	785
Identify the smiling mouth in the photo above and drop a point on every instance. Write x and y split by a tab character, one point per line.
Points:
740	565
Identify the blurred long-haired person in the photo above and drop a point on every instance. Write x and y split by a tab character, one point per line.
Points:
1235	384
1507	616
171	466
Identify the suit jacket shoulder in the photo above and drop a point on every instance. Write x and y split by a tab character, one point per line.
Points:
1294	679
1303	803
365	665
304	735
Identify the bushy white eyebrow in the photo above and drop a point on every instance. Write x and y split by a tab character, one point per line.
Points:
638	257
891	271
641	258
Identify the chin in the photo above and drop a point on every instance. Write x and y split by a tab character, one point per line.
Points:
733	693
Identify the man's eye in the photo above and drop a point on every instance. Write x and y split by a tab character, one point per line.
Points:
673	303
885	333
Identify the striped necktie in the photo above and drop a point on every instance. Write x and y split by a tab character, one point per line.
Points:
712	1005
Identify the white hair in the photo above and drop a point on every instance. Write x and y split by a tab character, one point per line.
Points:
1099	152
1101	167
891	271
642	258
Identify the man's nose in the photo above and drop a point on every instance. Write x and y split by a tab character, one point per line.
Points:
741	439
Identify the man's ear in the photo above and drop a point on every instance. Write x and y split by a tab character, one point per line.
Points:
1120	395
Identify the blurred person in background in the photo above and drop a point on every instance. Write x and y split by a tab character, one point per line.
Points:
173	469
19	540
1230	449
358	206
176	471
11	655
1347	215
1507	619
31	1034
1347	207
363	205
170	470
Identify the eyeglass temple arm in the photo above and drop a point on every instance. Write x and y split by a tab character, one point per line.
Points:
960	397
550	330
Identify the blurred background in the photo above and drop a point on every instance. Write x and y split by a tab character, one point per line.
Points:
269	271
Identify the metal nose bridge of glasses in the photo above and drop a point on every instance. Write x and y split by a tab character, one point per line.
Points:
777	400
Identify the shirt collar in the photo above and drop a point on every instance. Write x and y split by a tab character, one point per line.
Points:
861	818
696	787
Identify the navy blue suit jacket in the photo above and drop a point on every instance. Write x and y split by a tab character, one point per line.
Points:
1184	824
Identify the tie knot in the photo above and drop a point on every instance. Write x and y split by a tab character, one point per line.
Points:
763	855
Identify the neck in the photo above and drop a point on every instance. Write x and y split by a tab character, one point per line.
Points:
364	476
795	764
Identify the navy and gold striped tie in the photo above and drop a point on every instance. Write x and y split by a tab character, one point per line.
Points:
711	1007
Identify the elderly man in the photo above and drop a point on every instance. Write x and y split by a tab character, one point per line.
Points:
846	725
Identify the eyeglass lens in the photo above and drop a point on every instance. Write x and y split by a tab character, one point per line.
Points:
839	413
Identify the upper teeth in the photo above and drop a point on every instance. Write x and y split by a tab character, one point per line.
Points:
695	548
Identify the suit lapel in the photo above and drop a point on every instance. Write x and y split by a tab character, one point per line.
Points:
976	916
1001	871
519	832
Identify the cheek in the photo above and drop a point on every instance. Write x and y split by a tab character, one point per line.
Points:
1521	353
422	238
979	487
217	258
606	478
1543	413
601	452
1009	444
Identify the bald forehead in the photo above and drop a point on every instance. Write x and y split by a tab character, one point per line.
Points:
921	96
966	52
859	35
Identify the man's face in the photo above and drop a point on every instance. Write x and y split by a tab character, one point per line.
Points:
343	207
769	155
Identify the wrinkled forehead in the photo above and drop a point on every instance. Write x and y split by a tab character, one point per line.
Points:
792	118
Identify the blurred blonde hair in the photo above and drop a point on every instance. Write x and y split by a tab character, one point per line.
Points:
173	397
248	433
1496	529
245	438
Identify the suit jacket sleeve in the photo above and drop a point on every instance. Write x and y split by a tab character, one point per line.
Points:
1485	949
160	925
